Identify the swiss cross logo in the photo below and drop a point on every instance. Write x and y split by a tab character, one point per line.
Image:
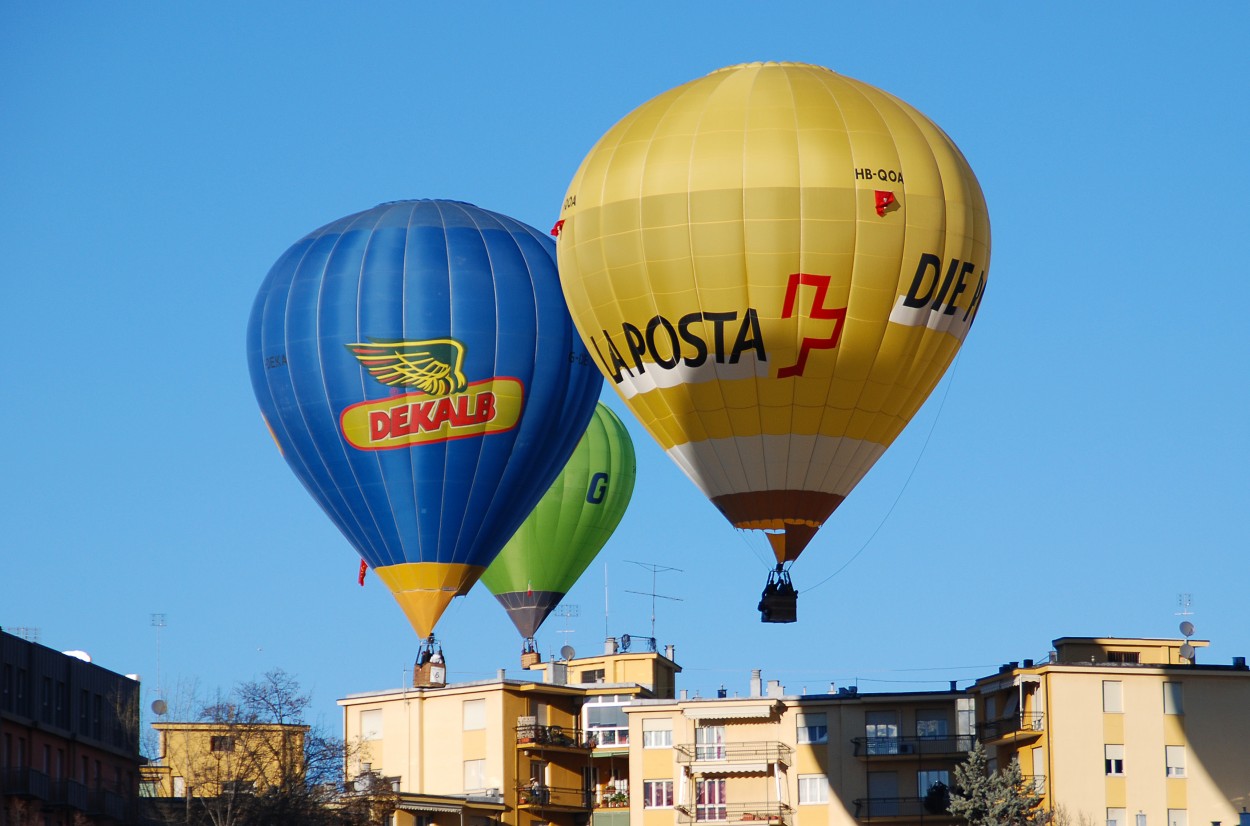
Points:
818	311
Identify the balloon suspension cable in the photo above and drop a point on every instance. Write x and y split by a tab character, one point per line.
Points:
950	380
429	650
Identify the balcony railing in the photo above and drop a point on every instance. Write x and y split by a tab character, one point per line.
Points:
766	752
1026	723
874	808
941	744
528	734
768	813
530	796
69	793
26	783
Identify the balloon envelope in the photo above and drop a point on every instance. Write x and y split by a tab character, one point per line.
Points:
418	369
568	527
773	265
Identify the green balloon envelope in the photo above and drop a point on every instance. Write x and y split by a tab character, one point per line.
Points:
568	527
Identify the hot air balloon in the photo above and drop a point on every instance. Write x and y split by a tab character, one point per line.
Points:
774	265
568	527
417	367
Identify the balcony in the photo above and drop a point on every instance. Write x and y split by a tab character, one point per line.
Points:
69	793
547	738
901	808
1025	726
757	756
768	813
26	783
539	798
941	745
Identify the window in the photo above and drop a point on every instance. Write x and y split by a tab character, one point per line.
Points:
657	794
474	775
605	719
709	743
1117	817
881	729
1114	758
926	780
883	793
221	743
1175	759
813	788
813	728
1178	817
657	733
1122	656
593	675
1173	698
474	712
931	724
371	724
1113	696
709	798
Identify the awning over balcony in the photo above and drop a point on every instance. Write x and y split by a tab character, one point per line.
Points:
715	711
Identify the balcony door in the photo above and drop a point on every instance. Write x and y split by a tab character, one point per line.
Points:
709	743
881	729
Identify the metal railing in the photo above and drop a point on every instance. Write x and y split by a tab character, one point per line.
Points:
528	734
542	797
764	813
26	783
870	808
763	751
940	744
1026	722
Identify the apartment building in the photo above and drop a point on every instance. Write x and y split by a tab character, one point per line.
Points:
69	738
211	759
551	749
1126	731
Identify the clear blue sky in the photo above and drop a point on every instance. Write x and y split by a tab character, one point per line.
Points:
1083	464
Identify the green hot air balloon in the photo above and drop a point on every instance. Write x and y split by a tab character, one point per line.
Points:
568	526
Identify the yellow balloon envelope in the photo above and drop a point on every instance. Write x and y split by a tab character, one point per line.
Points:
773	265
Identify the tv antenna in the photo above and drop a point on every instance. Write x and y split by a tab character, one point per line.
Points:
567	612
159	706
1185	601
655	571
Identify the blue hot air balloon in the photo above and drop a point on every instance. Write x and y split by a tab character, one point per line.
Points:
419	370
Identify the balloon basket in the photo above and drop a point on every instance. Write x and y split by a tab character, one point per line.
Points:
779	602
430	669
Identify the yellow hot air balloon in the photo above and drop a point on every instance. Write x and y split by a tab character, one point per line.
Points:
773	265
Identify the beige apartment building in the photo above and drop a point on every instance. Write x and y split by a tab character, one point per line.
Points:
1106	730
1130	732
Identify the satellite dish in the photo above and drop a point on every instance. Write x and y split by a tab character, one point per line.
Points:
625	641
567	652
159	707
1187	628
1187	651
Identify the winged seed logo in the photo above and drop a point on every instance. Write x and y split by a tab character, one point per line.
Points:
433	366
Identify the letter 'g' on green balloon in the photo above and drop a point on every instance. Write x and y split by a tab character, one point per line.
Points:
568	527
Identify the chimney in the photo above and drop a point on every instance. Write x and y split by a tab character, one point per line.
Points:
775	688
755	682
1239	662
683	694
721	693
670	651
609	646
503	673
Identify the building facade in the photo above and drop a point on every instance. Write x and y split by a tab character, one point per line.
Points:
1126	731
1106	731
69	738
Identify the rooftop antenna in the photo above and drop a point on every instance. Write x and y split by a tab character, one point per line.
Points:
655	570
1187	628
159	706
26	632
567	612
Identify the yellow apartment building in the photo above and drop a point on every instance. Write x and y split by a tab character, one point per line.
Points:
841	758
1130	732
207	759
1127	732
552	749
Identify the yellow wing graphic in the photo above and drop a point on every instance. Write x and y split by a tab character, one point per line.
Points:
432	366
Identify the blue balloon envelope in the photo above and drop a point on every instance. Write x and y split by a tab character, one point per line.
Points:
419	370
